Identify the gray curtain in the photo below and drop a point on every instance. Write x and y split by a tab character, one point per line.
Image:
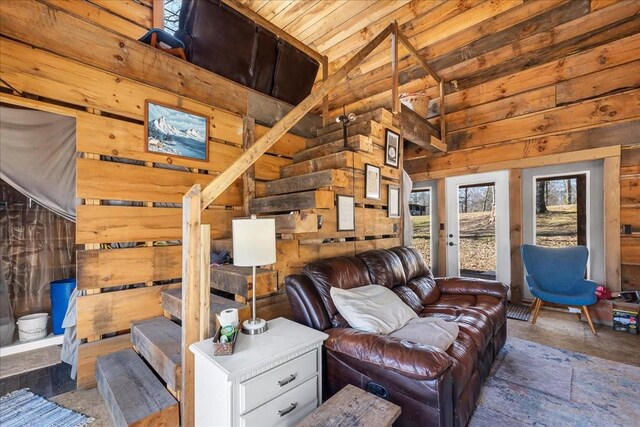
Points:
407	225
37	157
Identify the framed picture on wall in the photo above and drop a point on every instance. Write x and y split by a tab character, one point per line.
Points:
394	201
176	132
371	182
346	213
391	148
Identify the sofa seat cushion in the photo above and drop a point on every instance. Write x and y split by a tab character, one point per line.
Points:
473	323
487	305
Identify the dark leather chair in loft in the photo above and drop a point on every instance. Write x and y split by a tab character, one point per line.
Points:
556	275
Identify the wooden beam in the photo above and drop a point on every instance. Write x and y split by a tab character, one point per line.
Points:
205	277
405	41
325	100
419	131
191	288
611	174
218	185
249	176
274	29
34	104
515	218
443	129
395	96
158	14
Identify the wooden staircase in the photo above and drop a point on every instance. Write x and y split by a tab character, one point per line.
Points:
141	386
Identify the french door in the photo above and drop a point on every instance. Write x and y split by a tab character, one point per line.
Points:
477	226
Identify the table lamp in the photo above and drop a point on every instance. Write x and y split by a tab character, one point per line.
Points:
254	243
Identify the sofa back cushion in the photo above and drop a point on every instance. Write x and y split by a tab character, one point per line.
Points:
385	268
372	308
341	272
418	275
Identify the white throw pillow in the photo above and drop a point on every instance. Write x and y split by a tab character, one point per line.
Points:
372	308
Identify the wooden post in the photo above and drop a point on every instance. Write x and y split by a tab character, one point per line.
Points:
205	280
233	172
443	129
249	176
442	228
158	14
191	288
325	100
515	217
611	172
395	100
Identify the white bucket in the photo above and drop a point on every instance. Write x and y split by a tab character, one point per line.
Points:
32	327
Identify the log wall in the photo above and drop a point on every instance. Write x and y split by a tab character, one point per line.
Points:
574	96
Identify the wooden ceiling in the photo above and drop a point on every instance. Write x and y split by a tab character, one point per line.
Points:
468	42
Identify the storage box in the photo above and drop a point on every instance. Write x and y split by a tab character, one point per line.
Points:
625	317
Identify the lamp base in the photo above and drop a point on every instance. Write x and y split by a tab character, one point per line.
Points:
254	327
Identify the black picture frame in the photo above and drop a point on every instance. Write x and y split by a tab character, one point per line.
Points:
391	148
394	203
346	213
371	179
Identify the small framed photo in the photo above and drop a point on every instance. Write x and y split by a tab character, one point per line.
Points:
391	148
371	182
176	132
394	201
346	213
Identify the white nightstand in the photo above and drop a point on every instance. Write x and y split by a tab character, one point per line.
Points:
274	378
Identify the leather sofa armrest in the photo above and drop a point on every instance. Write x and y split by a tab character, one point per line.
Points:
305	302
416	361
469	286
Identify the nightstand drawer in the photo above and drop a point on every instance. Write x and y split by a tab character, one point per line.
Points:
258	390
287	409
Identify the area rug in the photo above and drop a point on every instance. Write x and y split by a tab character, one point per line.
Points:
535	385
24	408
518	312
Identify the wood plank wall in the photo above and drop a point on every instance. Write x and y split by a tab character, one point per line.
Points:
578	93
130	197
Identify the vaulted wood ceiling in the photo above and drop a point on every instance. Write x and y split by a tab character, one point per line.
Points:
469	42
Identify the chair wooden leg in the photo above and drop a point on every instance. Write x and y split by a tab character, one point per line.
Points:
534	303
536	311
586	313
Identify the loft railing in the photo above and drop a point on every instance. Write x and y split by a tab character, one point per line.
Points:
196	236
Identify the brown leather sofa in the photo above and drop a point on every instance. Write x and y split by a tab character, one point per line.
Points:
433	388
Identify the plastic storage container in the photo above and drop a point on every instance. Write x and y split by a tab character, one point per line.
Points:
32	327
60	292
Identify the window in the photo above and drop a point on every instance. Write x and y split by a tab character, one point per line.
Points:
420	210
171	15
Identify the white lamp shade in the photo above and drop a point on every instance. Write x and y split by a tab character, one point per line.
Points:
254	241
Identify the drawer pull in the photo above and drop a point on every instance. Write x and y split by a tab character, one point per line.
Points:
291	407
287	380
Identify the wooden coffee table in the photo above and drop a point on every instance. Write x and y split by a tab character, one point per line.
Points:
353	407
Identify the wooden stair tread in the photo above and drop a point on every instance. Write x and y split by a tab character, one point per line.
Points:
380	115
238	280
172	303
132	393
354	143
159	341
319	199
368	127
322	179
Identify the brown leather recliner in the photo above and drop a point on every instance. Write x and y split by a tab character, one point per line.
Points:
433	387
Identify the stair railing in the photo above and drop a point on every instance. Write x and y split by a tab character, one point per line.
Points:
196	236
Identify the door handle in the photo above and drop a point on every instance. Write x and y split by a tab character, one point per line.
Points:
451	244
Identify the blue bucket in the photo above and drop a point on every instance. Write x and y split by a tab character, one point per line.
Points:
60	292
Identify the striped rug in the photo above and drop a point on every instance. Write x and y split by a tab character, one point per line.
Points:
24	408
518	312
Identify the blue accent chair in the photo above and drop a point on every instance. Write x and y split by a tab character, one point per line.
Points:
556	275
